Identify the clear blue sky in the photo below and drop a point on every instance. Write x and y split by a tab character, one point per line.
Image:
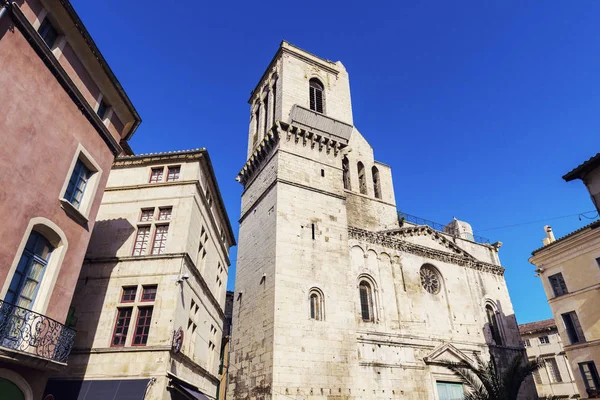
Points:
479	106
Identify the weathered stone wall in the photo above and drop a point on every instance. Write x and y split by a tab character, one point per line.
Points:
299	233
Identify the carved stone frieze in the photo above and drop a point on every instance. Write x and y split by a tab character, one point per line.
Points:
384	239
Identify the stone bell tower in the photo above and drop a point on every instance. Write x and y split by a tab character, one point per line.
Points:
293	239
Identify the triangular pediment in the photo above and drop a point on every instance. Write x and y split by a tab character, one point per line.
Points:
424	235
447	353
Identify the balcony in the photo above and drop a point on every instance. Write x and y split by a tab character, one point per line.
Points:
441	228
321	124
26	332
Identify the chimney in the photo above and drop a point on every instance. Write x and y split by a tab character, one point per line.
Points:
549	235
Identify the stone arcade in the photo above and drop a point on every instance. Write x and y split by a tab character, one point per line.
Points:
335	297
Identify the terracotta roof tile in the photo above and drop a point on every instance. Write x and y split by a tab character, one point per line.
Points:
583	228
537	326
582	168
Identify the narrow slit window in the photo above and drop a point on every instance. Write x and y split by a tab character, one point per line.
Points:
316	305
376	183
493	324
266	124
346	173
362	179
366	301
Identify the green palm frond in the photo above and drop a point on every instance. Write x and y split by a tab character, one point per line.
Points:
486	381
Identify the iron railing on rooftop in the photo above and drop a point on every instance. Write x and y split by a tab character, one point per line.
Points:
29	332
441	228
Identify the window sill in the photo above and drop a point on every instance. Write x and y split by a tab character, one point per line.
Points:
73	212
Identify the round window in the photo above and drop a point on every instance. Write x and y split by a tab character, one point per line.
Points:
430	279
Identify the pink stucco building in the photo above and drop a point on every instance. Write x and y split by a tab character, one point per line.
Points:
64	118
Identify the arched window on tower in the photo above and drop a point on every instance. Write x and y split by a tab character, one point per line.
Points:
256	123
362	179
316	95
366	301
266	126
493	323
346	173
317	307
376	183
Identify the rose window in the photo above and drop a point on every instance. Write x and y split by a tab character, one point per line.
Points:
430	280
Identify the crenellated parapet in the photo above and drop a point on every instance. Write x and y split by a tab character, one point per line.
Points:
290	133
393	240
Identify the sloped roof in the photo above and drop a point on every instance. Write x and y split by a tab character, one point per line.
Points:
582	168
537	326
593	225
160	154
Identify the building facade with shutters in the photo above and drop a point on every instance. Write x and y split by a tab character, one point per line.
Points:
149	303
64	118
335	295
569	268
542	342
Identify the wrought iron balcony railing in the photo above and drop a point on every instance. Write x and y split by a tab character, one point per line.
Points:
29	332
441	228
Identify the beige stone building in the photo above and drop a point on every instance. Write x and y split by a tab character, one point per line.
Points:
150	299
335	297
543	343
569	268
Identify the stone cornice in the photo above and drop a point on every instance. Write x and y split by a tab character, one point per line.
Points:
158	158
186	257
389	241
280	130
421	230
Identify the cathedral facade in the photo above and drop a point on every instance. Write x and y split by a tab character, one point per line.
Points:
335	296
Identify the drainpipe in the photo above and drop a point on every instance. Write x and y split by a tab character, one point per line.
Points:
5	6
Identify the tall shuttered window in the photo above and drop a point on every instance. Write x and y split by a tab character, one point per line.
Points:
573	327
30	271
559	286
316	95
589	373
